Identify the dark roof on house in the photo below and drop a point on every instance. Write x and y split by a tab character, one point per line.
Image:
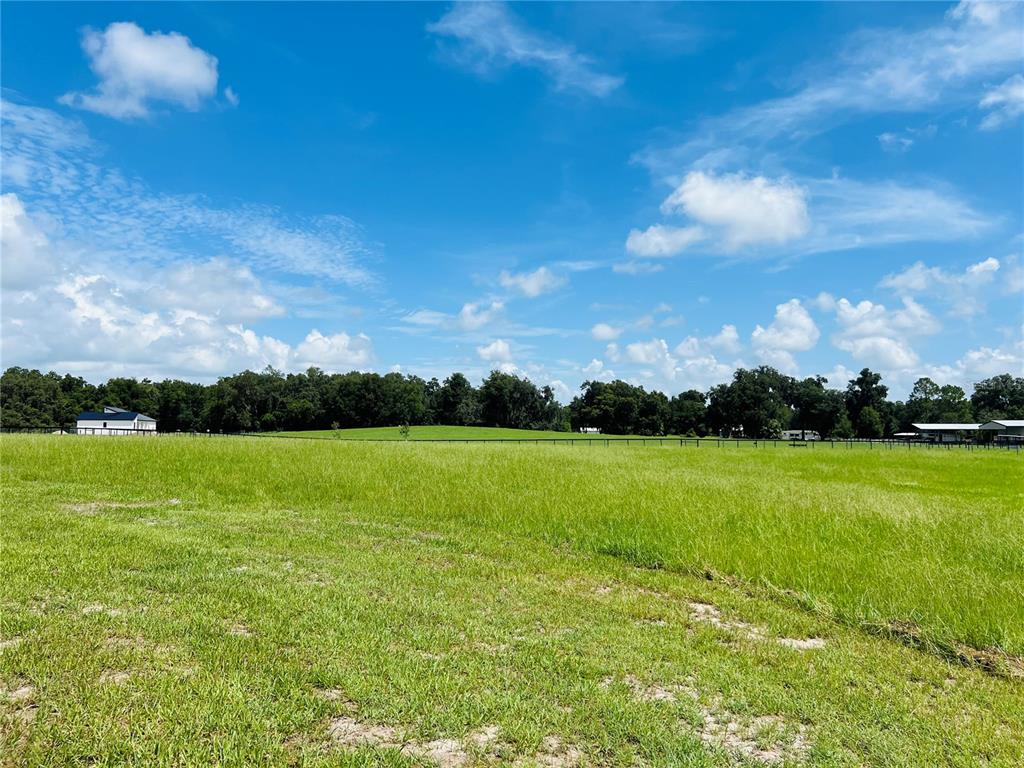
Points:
119	416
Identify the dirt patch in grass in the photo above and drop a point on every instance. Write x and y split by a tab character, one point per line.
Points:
10	642
706	613
95	608
90	508
766	739
554	753
239	630
20	718
801	644
643	692
114	677
350	732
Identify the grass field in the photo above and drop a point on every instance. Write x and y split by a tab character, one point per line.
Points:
240	601
433	432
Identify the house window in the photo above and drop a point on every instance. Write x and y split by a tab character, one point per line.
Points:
104	425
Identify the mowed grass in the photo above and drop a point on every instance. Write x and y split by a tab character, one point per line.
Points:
229	601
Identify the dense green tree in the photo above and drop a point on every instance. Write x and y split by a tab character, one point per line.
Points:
999	397
815	407
865	391
688	413
869	423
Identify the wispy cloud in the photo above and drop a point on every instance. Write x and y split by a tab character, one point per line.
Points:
489	37
52	164
874	71
1005	103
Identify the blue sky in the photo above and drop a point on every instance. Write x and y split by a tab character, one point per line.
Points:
658	193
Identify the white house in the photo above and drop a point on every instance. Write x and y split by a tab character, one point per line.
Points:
115	421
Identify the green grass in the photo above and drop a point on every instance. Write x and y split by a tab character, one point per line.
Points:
542	589
434	433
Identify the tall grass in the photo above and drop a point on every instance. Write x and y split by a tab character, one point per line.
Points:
872	537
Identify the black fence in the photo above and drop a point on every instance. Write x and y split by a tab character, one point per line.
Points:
569	439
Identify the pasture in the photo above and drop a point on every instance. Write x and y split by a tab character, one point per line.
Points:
241	601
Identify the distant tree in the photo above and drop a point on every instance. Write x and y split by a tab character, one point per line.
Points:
922	405
865	391
688	413
869	423
457	402
843	429
31	400
815	407
999	397
756	403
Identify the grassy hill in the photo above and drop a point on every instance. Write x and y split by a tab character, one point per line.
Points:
240	601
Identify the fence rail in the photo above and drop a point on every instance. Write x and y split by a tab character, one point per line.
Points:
570	439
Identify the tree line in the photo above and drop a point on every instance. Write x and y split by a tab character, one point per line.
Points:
759	402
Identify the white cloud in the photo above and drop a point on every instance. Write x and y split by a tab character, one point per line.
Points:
605	332
231	96
59	172
963	293
594	367
880	351
635	267
497	351
894	142
653	353
334	353
727	340
875	335
136	68
744	210
99	326
533	284
26	258
792	330
661	240
490	37
476	315
216	287
1005	101
878	70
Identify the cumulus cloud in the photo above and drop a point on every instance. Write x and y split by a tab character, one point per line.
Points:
26	258
497	351
744	210
532	284
136	68
876	335
792	330
1004	102
336	352
605	332
661	240
489	37
963	292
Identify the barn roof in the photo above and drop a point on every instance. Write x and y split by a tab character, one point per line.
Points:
946	427
118	416
1005	423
